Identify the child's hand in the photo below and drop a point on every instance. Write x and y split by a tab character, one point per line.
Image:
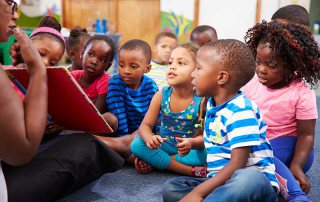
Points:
155	141
301	177
184	146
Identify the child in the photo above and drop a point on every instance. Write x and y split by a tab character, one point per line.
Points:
130	93
293	14
165	42
203	34
20	133
76	41
179	107
97	58
239	157
287	57
47	40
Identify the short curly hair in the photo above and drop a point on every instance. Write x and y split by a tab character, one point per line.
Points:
293	14
237	60
138	45
294	44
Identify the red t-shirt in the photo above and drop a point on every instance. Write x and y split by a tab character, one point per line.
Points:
98	87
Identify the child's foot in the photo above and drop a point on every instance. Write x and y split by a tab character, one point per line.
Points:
142	167
200	172
130	158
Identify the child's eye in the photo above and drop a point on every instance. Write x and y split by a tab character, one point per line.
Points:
258	62
90	54
271	66
134	66
41	53
170	63
121	65
103	60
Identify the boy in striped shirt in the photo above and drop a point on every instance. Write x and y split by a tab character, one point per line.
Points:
129	94
239	157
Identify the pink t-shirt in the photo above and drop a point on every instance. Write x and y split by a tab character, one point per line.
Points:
98	87
281	108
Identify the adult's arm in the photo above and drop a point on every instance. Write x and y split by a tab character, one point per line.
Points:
22	123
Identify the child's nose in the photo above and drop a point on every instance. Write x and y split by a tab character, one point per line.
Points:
94	60
261	68
127	71
46	62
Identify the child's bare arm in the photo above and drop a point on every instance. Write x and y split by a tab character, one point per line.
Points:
186	144
101	103
145	129
23	123
304	145
239	158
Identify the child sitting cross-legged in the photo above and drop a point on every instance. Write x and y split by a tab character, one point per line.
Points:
177	146
239	157
130	93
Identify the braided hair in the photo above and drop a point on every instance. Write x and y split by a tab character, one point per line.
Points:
294	44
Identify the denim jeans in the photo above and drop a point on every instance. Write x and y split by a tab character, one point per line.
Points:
248	184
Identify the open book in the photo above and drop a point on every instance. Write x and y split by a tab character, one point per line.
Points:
68	105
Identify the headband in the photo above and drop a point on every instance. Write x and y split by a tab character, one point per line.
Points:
50	31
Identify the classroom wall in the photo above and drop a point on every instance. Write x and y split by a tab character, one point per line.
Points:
230	18
131	18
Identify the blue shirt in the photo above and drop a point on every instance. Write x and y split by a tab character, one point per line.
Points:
234	124
129	106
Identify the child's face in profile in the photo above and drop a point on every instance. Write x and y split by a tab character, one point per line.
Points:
164	48
202	38
132	66
181	65
269	69
50	50
96	58
205	76
77	50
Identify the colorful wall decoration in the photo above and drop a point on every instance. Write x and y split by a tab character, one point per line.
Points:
177	16
31	11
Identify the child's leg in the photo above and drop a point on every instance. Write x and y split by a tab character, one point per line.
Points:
247	184
283	149
119	144
111	119
176	188
290	189
158	158
194	158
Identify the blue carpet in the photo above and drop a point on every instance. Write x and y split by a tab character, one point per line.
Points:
127	185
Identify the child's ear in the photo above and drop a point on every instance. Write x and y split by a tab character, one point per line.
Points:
223	77
147	69
81	55
71	54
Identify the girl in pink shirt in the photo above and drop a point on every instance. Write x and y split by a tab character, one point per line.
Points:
287	60
97	58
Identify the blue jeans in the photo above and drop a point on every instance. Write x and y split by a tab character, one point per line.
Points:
248	184
283	150
161	158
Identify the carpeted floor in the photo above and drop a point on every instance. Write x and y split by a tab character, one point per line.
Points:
127	185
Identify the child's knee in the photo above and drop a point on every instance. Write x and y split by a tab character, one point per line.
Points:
138	146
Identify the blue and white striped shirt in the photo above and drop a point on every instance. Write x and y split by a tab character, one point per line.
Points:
237	123
129	106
